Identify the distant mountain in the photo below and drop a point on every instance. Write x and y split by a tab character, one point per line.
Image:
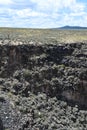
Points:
72	27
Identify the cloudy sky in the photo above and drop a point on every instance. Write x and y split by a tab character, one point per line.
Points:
43	13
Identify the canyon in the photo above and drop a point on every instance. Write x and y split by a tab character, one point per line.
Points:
55	71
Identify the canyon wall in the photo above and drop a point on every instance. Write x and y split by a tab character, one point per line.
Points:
57	70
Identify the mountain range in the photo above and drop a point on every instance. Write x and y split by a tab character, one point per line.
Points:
72	27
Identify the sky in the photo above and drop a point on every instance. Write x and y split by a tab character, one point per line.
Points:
43	13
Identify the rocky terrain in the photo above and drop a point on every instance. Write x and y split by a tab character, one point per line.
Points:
43	87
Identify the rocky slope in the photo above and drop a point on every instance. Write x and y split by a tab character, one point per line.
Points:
43	87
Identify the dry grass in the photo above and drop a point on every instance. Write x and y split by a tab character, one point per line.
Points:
45	36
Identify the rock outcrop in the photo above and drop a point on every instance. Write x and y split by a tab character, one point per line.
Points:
56	70
1	125
59	70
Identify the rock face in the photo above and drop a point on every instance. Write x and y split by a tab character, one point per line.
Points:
57	70
1	125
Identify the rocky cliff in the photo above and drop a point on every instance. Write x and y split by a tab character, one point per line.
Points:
58	71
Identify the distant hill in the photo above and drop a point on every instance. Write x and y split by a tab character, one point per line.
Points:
72	27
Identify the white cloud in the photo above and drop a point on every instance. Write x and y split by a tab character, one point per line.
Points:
29	13
4	2
23	13
56	5
77	14
48	5
42	13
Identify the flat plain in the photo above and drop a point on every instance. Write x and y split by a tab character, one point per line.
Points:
44	36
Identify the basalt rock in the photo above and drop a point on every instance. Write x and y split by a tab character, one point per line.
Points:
43	87
1	125
54	69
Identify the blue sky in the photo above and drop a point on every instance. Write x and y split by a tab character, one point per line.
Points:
43	13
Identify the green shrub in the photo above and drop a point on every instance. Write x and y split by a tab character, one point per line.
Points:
27	74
